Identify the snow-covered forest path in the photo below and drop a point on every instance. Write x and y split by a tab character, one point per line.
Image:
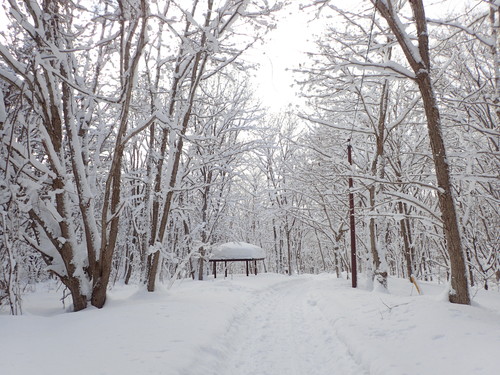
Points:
260	325
283	331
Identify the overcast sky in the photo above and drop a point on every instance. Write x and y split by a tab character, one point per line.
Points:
283	50
286	46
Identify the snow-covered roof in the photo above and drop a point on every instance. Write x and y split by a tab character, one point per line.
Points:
237	250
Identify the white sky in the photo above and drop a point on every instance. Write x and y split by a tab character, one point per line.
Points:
283	51
286	46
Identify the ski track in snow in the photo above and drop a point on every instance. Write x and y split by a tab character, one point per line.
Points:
283	331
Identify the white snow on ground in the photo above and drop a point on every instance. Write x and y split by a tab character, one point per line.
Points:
266	324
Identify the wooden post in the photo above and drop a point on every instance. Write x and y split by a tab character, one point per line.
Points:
247	267
255	265
225	268
215	269
352	222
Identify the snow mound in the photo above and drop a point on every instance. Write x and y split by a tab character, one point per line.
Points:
237	250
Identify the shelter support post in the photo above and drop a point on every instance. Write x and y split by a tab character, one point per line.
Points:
250	265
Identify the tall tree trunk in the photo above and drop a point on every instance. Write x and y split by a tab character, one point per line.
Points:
459	292
377	171
420	63
112	195
406	235
204	213
404	223
198	62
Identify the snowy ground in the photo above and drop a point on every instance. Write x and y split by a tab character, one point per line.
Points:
269	324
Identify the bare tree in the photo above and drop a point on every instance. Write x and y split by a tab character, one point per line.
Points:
418	58
57	79
206	47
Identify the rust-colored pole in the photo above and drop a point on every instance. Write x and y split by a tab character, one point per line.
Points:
352	223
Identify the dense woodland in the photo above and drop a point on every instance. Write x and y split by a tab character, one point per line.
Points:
132	141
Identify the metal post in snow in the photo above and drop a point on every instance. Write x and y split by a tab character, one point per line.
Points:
352	222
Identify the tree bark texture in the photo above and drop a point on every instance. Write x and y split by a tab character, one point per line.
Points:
198	62
420	63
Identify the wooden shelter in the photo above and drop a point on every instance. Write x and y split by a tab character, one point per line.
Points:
236	252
